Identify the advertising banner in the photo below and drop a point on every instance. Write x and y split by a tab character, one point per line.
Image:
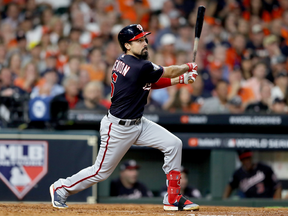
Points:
22	164
30	163
234	141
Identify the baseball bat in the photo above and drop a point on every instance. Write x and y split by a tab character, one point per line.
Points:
198	29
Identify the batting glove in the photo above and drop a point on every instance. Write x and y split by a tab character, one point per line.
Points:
192	76
188	77
192	66
183	79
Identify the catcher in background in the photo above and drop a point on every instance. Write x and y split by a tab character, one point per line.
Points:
254	180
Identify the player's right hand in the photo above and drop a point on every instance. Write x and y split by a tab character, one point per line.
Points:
192	76
188	77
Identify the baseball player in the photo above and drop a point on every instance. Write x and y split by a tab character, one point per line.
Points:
127	184
124	125
254	180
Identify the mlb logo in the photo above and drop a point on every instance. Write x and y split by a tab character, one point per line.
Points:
231	143
23	164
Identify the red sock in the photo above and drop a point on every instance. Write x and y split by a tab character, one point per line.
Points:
174	185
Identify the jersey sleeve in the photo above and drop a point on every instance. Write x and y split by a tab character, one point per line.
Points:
151	72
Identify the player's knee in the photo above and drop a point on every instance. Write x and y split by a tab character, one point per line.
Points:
173	144
178	143
103	176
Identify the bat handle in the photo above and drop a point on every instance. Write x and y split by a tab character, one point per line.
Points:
196	41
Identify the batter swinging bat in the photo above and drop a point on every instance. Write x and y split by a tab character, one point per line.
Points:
198	29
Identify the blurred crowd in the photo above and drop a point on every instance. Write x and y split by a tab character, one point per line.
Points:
66	49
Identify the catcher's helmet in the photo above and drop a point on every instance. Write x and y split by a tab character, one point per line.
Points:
130	33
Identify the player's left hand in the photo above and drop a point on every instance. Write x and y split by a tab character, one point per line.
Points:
192	66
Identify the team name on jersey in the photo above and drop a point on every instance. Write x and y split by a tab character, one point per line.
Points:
247	183
121	67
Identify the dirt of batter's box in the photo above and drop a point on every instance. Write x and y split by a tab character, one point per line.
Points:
24	209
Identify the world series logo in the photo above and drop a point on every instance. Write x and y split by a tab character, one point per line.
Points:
22	164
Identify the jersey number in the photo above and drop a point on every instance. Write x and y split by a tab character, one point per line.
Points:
114	80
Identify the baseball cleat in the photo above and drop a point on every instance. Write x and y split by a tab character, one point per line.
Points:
57	200
181	204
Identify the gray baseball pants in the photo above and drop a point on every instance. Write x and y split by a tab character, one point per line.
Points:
116	139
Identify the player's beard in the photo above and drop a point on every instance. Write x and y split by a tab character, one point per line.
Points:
144	54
